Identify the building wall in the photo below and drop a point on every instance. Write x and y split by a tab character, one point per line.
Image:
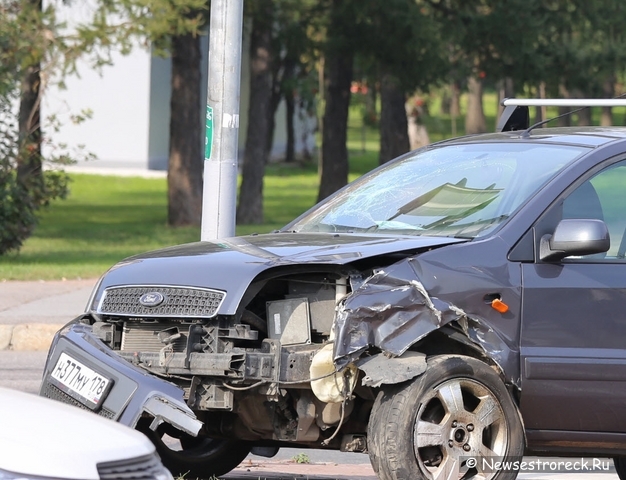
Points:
130	104
119	100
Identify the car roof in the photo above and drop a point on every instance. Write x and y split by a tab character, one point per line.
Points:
584	136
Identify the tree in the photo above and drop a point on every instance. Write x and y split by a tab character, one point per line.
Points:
338	67
394	133
31	40
171	28
27	32
184	172
570	47
475	121
250	207
402	50
492	40
29	160
278	41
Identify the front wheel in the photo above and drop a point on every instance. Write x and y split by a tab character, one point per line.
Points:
455	421
198	457
620	467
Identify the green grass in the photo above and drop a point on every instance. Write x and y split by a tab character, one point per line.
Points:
106	219
103	220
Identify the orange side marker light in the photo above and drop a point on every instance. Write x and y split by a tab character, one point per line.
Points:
499	305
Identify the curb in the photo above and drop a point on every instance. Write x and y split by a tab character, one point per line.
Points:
28	336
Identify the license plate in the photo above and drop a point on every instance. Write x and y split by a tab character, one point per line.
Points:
80	381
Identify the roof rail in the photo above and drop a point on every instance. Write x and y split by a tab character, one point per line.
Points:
564	102
516	117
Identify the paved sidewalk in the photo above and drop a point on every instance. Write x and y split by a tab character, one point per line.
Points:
31	312
268	469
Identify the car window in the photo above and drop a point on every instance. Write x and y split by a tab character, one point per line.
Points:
452	190
602	197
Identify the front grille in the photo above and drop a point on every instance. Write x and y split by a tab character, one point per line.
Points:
177	302
142	468
50	391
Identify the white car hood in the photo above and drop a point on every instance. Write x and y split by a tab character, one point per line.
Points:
43	437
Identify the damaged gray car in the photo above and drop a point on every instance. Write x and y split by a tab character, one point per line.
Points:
460	303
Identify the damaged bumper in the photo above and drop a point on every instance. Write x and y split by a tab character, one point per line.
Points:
82	371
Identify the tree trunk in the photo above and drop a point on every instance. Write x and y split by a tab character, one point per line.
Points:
371	100
455	99
250	207
394	136
290	100
290	153
29	160
334	161
540	112
275	98
584	115
565	120
506	89
475	120
184	173
608	89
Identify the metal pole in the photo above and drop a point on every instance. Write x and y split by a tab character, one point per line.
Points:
219	199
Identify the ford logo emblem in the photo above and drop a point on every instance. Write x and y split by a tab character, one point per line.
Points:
151	299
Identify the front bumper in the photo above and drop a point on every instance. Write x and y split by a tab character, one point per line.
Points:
132	391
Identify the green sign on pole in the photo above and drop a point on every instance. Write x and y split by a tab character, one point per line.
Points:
208	139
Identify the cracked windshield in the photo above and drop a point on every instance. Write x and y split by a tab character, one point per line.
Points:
456	191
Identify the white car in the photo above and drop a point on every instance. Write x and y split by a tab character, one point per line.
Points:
42	438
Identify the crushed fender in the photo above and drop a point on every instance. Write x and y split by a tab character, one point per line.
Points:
392	310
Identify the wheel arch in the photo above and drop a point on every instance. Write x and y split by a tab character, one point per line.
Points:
383	446
441	342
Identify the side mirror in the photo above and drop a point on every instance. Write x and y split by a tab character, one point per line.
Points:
575	237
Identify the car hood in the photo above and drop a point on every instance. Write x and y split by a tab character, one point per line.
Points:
231	264
43	437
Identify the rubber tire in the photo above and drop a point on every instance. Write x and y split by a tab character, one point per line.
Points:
200	457
393	417
620	467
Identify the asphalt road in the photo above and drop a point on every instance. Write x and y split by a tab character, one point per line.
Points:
23	370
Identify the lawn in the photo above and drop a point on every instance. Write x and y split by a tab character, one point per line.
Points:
107	218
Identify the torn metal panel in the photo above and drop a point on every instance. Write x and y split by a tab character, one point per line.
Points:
395	308
390	310
380	369
493	345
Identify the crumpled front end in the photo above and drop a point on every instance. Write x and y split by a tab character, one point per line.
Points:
298	355
390	310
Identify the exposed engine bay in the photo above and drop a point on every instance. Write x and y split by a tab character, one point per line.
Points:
253	372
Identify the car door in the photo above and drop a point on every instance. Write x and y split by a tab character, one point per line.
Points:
573	334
